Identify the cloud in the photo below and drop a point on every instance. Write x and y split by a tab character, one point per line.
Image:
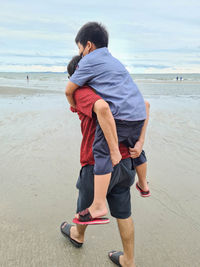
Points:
149	35
31	68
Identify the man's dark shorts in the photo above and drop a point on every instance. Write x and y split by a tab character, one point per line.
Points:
118	196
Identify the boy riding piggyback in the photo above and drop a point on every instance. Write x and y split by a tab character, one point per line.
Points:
110	79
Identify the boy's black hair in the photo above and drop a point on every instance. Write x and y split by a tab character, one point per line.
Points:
72	65
94	32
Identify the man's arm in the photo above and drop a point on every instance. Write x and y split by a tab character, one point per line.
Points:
108	126
70	89
83	73
137	149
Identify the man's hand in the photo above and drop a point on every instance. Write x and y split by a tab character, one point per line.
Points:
136	150
115	157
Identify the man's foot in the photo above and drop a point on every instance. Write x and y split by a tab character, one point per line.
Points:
115	257
143	189
69	231
118	258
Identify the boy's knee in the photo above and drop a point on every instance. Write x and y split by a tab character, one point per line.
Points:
101	107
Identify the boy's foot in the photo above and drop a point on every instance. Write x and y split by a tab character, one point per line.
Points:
86	216
94	211
98	211
143	193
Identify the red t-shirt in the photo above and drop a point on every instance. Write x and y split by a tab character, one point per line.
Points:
85	99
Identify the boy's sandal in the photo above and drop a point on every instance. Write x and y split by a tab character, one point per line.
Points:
114	256
85	218
142	192
95	221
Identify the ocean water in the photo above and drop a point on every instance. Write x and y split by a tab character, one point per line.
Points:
149	84
174	112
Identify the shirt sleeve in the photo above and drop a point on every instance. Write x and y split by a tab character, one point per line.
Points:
83	74
85	99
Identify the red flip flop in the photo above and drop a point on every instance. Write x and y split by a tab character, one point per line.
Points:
93	221
143	193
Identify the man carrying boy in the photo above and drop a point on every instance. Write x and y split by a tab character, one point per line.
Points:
99	69
88	104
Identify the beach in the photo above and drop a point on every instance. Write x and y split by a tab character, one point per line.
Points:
40	145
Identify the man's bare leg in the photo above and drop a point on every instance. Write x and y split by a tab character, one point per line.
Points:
77	232
142	173
126	229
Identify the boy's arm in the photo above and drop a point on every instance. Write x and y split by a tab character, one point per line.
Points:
87	102
70	89
137	149
108	126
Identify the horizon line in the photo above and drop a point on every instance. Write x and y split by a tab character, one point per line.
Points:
26	72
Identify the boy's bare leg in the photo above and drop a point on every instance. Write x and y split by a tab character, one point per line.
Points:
108	126
126	229
98	207
101	184
142	174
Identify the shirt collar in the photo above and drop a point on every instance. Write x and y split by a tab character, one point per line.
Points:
102	50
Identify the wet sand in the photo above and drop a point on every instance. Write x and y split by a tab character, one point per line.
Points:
40	141
19	91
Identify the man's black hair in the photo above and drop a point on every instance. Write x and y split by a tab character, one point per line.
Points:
94	32
72	65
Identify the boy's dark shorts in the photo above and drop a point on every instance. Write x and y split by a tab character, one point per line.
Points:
140	160
128	133
118	196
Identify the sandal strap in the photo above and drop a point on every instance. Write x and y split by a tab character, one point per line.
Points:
115	256
85	216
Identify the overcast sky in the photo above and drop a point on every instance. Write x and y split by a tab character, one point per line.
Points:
148	36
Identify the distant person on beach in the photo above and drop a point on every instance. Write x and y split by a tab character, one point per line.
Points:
27	78
89	107
177	78
181	78
109	78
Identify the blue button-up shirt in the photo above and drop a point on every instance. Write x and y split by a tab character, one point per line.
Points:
110	79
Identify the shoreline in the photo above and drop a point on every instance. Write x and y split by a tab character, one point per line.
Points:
16	91
166	81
